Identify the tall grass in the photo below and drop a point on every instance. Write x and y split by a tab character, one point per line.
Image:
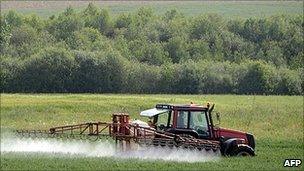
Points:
265	116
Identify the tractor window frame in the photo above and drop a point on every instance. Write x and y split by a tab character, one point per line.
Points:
203	112
187	119
169	119
188	111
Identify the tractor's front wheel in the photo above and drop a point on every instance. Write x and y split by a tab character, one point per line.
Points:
243	151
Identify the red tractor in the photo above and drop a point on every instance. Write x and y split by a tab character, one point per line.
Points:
182	126
196	122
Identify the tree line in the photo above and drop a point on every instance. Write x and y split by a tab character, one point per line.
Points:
141	52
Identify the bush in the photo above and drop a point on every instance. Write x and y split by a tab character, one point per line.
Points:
11	69
289	82
22	40
177	49
123	21
168	78
99	20
88	39
141	78
88	75
187	78
48	71
98	72
13	19
115	68
63	27
151	53
253	81
215	78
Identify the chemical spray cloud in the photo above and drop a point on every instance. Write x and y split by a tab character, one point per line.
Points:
102	149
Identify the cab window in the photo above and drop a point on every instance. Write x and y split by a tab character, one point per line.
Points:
164	120
182	119
198	122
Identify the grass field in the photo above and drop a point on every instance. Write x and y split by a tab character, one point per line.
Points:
241	9
276	122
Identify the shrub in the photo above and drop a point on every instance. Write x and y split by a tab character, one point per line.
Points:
48	71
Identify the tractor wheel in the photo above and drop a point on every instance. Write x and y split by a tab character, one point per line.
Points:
243	151
243	154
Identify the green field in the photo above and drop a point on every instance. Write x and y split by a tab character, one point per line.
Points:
241	9
276	122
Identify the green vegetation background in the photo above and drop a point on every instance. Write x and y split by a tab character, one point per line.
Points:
90	50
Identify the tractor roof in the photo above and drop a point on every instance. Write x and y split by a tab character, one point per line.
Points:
162	108
152	112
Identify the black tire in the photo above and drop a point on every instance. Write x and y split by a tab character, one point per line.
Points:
243	151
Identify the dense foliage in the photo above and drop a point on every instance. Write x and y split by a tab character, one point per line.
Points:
142	52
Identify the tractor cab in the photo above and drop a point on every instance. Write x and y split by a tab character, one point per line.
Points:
195	121
192	120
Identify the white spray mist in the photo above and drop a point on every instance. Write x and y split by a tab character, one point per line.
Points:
102	149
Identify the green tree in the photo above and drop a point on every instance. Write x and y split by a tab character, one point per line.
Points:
298	61
5	34
168	79
143	16
207	25
124	21
293	44
34	21
151	53
115	67
63	27
99	20
88	39
91	10
215	77
11	69
289	82
199	49
13	19
172	14
141	78
253	82
88	75
187	78
234	47
48	71
272	53
255	30
177	49
23	40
